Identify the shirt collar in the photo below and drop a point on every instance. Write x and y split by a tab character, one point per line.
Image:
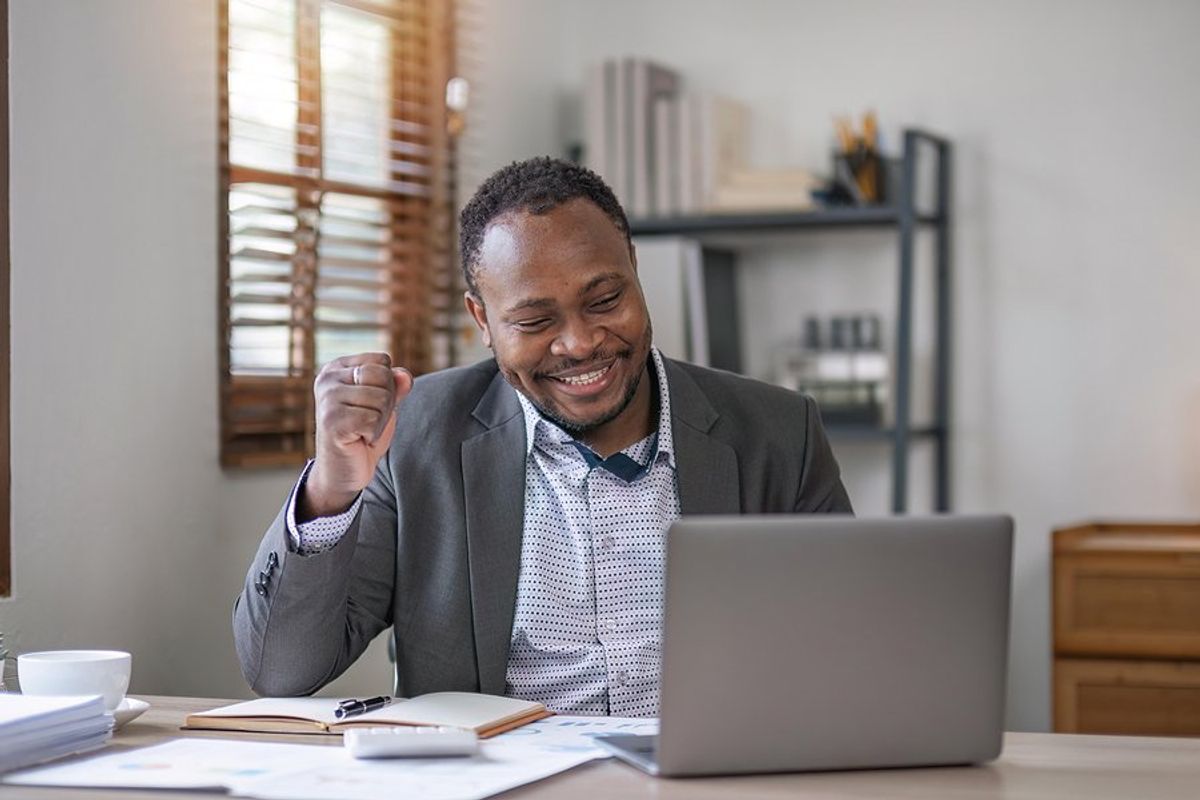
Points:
538	428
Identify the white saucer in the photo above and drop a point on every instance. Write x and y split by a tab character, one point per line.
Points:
130	709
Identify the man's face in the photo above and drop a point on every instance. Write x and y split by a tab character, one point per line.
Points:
561	307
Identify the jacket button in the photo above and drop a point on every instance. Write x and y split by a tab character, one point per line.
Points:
272	561
264	578
262	590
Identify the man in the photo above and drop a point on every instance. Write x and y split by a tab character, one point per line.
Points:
508	521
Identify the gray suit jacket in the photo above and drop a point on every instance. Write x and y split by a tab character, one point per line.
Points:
435	550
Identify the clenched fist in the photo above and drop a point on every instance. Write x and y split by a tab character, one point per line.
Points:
356	399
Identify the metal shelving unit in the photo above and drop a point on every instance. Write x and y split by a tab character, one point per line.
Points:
906	220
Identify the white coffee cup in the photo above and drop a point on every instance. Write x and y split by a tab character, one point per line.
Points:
76	672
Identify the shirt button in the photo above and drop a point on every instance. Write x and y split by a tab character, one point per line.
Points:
607	626
622	677
606	543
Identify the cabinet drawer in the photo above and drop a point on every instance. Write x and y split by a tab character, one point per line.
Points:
1148	698
1127	604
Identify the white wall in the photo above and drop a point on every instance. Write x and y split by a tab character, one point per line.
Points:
113	314
126	533
1077	365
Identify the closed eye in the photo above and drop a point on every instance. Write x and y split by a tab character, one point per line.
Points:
607	302
531	325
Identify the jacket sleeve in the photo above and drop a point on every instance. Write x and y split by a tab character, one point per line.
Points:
821	489
300	621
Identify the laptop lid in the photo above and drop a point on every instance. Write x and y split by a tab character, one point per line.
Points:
820	642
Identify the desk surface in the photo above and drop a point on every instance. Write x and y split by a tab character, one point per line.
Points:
1034	765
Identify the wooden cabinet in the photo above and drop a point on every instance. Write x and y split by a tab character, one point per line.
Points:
1127	629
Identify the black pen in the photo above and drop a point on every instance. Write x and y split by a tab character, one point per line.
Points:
352	708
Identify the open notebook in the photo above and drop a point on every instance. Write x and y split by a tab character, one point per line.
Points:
485	714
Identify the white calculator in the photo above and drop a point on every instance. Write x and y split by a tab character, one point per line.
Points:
410	742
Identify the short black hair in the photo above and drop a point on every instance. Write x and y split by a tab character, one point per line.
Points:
536	185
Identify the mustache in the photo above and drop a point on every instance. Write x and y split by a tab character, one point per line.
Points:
571	363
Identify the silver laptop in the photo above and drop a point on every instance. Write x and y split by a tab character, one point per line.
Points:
819	643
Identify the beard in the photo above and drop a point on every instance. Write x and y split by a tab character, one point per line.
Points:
576	427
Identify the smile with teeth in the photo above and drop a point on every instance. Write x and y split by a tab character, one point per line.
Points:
586	378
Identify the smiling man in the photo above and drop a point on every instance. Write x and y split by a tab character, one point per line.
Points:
568	323
508	521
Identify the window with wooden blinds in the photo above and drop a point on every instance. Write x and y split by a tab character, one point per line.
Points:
336	204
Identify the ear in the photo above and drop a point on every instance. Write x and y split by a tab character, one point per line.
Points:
478	313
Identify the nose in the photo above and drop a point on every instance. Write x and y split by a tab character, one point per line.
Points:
577	340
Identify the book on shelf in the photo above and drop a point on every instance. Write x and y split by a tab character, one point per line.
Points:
668	150
720	125
764	190
667	165
792	179
597	113
485	714
687	156
651	84
671	273
619	175
632	122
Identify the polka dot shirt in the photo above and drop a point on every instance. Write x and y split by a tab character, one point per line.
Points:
320	534
587	633
587	636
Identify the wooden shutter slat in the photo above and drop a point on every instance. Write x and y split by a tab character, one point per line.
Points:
261	299
258	254
264	277
251	322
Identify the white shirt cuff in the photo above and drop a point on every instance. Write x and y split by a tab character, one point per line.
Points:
320	534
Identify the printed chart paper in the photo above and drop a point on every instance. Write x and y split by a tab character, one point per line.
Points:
270	771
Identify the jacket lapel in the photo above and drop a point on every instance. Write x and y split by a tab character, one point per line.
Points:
493	465
707	468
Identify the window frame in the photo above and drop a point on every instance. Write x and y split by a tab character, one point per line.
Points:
428	291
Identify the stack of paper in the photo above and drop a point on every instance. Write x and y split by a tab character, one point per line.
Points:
37	729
